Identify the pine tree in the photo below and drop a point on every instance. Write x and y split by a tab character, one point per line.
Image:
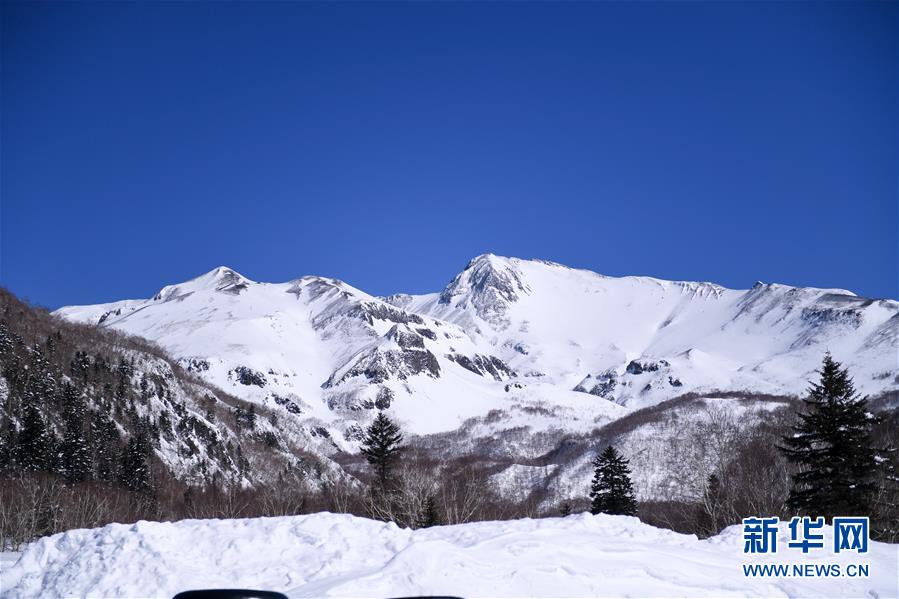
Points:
429	516
7	445
35	443
80	365
105	442
135	473
612	491
832	446
75	462
381	447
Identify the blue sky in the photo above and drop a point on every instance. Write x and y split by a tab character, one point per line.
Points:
387	143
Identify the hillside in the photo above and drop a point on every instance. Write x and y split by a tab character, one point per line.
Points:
104	411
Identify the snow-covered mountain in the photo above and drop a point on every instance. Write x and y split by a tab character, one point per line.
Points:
551	347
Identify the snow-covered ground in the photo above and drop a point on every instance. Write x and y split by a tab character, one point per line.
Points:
340	555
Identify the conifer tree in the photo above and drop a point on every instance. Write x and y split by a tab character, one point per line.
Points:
381	447
7	444
35	443
105	443
429	516
75	459
612	491
135	473
832	446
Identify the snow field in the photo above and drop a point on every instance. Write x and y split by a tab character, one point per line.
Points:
344	556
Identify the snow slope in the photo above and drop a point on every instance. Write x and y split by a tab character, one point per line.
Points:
344	556
642	340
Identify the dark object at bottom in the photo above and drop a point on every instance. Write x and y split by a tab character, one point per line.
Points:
250	594
229	594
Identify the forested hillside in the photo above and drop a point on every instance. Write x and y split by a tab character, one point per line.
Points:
96	425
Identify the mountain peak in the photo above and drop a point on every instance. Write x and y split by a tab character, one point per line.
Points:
487	259
490	284
221	278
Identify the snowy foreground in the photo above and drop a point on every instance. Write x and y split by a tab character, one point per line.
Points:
341	555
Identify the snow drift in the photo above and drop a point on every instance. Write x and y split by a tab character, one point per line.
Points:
340	555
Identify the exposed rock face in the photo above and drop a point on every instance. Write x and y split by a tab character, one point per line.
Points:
231	283
317	287
370	311
354	432
490	287
287	403
602	385
105	315
641	366
221	280
248	376
484	365
400	300
885	337
196	364
378	366
384	398
818	316
405	338
605	384
427	333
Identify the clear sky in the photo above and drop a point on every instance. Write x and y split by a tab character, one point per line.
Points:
386	144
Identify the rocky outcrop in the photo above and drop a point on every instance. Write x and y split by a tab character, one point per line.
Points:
371	311
405	338
484	365
379	365
602	385
489	285
247	376
641	366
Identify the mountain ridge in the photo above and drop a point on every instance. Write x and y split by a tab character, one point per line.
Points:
504	331
224	268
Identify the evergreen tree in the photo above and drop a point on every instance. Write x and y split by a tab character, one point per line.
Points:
35	443
75	459
7	444
105	442
612	491
80	365
381	447
429	516
832	446
135	473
